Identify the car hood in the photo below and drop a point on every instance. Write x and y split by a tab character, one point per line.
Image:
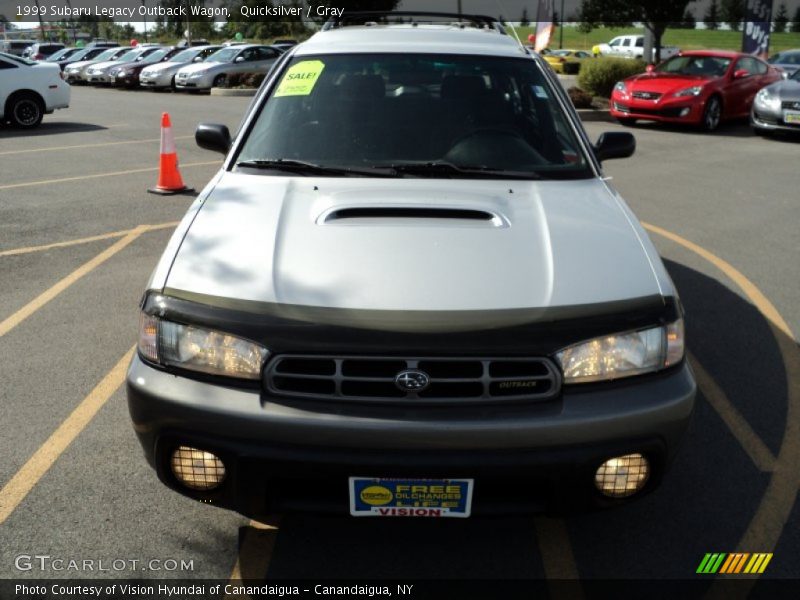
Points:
81	63
786	89
107	64
164	66
324	242
663	83
204	66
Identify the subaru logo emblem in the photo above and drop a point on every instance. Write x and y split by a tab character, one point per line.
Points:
412	380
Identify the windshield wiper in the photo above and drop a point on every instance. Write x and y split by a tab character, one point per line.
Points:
441	167
303	167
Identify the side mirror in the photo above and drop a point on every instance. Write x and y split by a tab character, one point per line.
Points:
239	59
741	74
214	137
650	68
614	144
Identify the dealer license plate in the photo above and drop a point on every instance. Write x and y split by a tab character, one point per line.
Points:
791	117
379	497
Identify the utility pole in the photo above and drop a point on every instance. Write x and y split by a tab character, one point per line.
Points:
459	8
144	4
561	27
41	24
188	25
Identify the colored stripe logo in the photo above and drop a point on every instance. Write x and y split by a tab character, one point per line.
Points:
737	563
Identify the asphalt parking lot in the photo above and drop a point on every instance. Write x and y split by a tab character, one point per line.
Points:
79	236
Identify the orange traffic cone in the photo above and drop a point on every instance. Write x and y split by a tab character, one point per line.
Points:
169	177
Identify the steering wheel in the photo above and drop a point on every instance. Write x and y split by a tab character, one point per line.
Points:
496	143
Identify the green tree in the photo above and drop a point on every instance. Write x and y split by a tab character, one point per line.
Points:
732	13
781	19
654	14
524	21
687	22
711	18
796	21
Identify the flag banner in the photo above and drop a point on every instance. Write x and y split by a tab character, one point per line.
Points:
544	25
757	21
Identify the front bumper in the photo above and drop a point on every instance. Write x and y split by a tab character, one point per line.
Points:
156	81
199	83
671	111
283	456
771	120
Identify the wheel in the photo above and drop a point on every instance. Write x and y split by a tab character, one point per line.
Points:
219	80
712	114
626	121
25	110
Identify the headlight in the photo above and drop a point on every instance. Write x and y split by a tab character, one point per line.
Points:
198	349
766	99
623	355
621	88
692	91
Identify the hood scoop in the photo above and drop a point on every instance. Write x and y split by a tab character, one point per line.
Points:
355	213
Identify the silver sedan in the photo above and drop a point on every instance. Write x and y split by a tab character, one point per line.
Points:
232	59
777	107
162	75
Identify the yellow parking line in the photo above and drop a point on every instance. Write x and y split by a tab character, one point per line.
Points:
558	561
98	145
86	240
45	297
748	287
255	554
32	471
99	175
748	439
777	503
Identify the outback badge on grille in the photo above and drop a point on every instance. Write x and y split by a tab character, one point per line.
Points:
412	380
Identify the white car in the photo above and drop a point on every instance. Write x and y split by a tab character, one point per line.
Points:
29	90
162	75
233	59
632	46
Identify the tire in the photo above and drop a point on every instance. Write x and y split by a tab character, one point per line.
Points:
218	80
172	84
712	114
25	111
626	121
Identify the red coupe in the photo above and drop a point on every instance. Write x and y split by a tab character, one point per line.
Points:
701	88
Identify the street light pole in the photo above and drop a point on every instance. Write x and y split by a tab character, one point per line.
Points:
560	26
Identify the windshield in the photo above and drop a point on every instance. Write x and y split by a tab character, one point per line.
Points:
225	55
185	56
62	54
700	66
128	56
156	56
795	76
107	55
388	111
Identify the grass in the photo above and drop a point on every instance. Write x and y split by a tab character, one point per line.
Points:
685	39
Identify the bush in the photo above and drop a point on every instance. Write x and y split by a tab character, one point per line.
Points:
580	98
244	80
571	68
599	75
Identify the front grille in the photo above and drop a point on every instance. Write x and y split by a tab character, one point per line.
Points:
791	104
450	380
646	95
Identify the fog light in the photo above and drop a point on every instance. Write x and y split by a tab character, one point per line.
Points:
197	469
685	111
622	476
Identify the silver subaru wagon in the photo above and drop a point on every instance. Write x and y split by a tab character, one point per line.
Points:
410	292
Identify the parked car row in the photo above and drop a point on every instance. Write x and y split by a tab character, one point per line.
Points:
194	68
703	88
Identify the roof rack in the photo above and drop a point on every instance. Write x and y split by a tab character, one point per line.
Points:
412	17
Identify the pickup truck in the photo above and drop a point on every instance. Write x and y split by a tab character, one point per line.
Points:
631	46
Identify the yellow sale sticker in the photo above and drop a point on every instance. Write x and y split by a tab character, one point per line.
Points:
300	78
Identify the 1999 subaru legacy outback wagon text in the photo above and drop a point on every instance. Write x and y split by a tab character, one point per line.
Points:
410	292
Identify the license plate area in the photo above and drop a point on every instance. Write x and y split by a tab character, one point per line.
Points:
392	497
791	117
